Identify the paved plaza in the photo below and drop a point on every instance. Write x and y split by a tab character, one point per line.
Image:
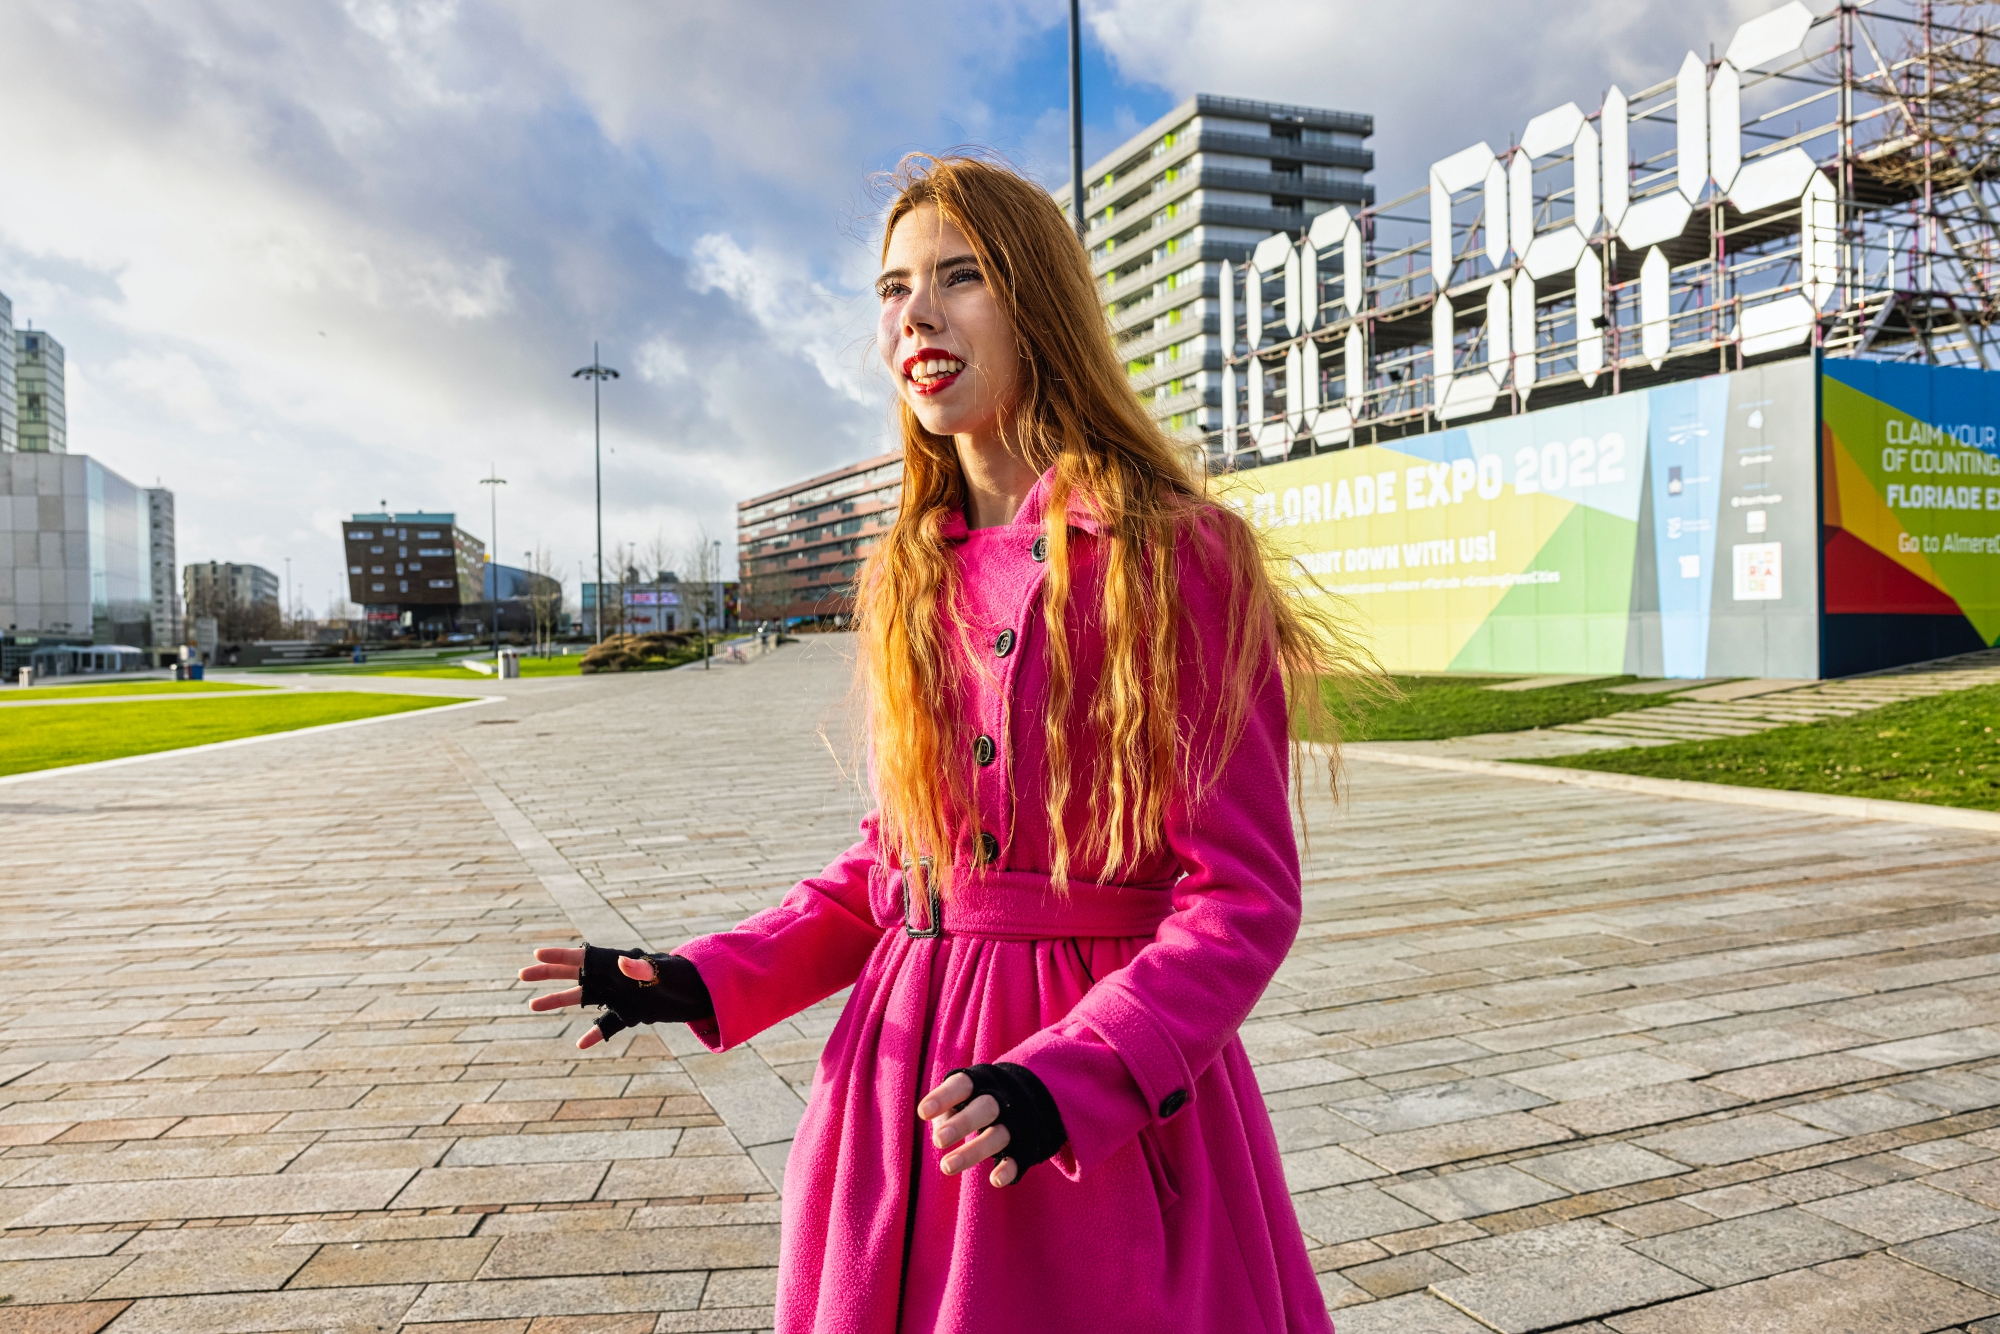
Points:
1544	1057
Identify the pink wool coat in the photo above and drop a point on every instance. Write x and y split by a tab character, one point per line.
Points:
1167	1210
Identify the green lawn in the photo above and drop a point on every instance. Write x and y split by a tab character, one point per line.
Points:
1944	750
1434	707
448	670
128	688
48	738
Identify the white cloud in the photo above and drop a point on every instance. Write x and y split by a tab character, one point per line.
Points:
830	330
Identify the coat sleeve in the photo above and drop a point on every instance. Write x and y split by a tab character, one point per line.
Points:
1128	1055
792	956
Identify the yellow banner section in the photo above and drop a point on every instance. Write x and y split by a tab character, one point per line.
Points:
1424	549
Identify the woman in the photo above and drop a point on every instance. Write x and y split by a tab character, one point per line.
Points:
1080	874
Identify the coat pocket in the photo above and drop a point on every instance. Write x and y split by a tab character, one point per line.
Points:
1161	1169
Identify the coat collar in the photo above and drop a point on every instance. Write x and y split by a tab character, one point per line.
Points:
1033	512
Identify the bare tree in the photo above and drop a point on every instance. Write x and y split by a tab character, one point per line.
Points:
625	572
544	597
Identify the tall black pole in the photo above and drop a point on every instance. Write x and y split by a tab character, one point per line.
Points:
597	435
1078	192
598	373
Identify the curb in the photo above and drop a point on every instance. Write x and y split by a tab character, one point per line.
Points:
1813	803
95	765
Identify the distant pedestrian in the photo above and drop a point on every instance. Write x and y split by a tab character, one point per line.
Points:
1080	874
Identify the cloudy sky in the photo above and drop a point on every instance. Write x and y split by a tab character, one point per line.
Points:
313	256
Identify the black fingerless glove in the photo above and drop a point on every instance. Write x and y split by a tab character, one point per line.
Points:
1034	1125
677	995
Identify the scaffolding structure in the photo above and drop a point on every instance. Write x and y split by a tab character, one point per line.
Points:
1829	182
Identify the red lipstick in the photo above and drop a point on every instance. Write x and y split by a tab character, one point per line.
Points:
930	370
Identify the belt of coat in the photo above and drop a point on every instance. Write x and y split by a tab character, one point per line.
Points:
1014	905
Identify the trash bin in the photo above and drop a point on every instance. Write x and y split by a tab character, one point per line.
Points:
195	671
27	677
360	656
510	664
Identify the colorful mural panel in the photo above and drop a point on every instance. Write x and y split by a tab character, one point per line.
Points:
1644	533
1911	506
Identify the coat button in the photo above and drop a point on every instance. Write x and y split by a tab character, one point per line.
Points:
1040	550
983	750
989	849
1173	1102
1004	644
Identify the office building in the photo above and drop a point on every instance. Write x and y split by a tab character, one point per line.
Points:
1199	187
9	425
167	629
43	422
213	588
798	548
81	549
415	573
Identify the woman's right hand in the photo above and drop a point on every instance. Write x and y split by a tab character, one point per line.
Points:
566	965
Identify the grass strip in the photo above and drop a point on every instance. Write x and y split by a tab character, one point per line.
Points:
1944	750
1434	707
32	693
58	736
449	670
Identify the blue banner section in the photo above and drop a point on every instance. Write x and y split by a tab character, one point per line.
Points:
1952	404
1688	424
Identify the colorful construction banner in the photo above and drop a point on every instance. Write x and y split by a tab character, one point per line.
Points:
1664	532
1911	495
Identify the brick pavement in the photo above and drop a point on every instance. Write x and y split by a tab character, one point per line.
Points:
1543	1058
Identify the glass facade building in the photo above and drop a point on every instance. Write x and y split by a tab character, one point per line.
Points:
79	545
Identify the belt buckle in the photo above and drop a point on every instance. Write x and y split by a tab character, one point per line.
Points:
932	925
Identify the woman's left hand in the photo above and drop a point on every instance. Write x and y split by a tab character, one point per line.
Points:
970	1129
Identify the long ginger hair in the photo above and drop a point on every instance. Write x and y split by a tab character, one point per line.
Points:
1074	412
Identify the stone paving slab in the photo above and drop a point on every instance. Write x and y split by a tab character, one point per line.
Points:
1554	1057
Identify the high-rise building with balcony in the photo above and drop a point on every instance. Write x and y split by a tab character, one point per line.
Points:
1204	184
38	384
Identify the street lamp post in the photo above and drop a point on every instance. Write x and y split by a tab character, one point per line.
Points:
715	588
288	595
1077	192
597	374
494	480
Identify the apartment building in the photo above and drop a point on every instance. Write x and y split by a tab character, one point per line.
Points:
210	587
1204	184
798	548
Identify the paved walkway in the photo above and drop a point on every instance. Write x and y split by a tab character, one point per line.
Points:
1543	1058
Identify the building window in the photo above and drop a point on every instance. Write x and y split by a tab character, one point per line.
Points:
424	537
378	587
440	583
354	569
377	569
433	551
375	551
415	565
405	585
360	536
